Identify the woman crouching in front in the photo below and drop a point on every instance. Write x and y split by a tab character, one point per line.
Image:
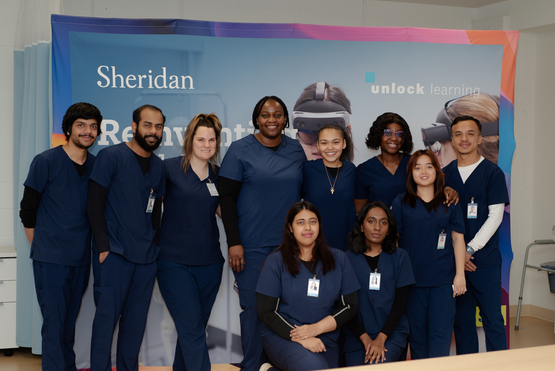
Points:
305	293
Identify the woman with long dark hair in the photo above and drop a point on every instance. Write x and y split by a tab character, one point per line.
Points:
433	236
380	330
305	293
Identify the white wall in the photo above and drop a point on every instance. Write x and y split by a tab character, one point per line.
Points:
533	175
533	206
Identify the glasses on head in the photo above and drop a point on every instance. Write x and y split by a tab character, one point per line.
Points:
389	133
308	137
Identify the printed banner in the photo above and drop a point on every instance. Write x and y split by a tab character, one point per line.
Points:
187	67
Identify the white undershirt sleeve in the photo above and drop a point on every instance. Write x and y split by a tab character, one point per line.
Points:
495	217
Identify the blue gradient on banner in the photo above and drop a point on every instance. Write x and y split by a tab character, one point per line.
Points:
507	142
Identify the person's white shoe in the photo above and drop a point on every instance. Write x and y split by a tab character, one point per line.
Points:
265	367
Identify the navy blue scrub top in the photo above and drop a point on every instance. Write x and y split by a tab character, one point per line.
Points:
487	186
62	232
271	184
128	225
189	233
375	183
374	306
337	210
419	234
295	306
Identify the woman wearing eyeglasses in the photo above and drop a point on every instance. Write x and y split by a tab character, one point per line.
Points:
384	176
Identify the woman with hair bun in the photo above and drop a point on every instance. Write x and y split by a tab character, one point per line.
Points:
260	178
329	183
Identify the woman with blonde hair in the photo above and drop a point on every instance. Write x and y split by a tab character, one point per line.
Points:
190	261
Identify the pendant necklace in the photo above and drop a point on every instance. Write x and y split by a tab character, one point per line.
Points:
332	189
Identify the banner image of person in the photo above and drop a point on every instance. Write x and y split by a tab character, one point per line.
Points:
188	67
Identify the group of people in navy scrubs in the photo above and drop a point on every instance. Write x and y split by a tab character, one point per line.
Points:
331	261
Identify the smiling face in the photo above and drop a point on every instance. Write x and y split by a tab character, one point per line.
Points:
331	145
204	143
392	144
375	227
466	137
271	120
148	132
305	228
83	133
424	173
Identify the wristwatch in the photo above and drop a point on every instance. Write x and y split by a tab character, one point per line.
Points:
470	250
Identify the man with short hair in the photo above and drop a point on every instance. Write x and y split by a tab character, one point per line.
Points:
483	197
126	188
54	214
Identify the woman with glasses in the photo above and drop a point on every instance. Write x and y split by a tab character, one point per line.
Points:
329	183
384	176
260	177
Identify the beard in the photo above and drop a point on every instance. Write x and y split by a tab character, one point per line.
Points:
141	140
79	145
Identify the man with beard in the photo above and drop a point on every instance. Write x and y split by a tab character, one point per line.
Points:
54	214
124	207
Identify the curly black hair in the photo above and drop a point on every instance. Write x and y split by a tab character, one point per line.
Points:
374	138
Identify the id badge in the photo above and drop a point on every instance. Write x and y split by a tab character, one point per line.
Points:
472	210
150	203
212	189
313	287
375	279
441	240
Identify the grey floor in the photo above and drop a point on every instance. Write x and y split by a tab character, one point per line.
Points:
221	355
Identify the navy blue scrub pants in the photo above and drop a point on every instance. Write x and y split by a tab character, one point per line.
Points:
189	292
122	291
431	314
484	288
290	356
251	341
60	289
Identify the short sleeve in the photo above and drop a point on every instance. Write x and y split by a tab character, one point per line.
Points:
349	281
405	275
232	165
361	192
104	167
269	281
397	208
456	219
38	174
497	189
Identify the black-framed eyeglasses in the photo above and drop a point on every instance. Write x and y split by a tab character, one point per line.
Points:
389	133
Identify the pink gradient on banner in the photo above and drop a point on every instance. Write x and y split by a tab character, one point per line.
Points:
399	34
